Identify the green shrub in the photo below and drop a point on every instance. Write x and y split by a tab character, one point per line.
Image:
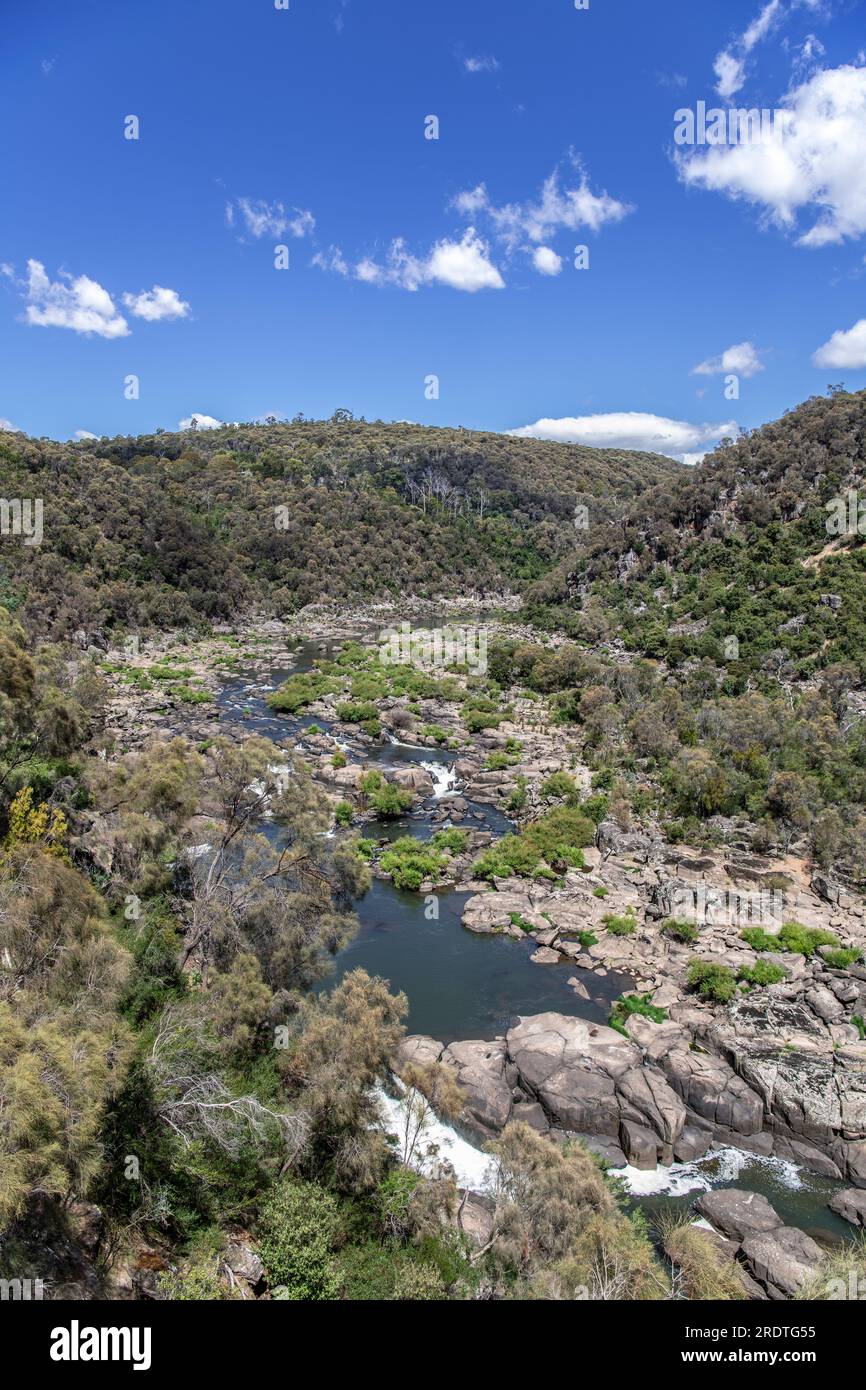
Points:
712	980
629	1004
560	784
390	801
596	808
343	812
519	796
620	925
762	973
477	719
297	1230
842	958
452	840
410	862
498	762
338	759
299	691
793	937
554	841
361	712
686	932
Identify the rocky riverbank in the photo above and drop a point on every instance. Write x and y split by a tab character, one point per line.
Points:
777	1068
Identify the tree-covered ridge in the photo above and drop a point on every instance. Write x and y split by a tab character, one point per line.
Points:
174	529
737	549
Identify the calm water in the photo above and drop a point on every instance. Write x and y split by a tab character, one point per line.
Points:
459	984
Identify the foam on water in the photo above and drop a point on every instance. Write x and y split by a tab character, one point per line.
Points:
444	778
718	1168
472	1167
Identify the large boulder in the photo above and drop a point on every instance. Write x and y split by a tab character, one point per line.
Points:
493	912
480	1074
572	1067
737	1213
850	1204
712	1090
417	1050
639	1145
647	1097
782	1259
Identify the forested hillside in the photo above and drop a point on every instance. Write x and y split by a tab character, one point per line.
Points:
738	547
173	529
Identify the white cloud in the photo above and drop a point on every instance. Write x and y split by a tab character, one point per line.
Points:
202	422
270	219
630	429
484	64
85	434
464	265
731	73
546	261
158	303
846	348
535	221
332	259
7	427
729	65
80	304
814	161
742	358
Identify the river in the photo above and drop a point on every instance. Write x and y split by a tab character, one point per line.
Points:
463	985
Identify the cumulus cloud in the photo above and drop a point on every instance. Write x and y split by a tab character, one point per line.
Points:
7	427
546	261
845	348
84	434
630	429
556	207
742	358
463	265
78	303
814	161
269	219
200	422
483	64
158	303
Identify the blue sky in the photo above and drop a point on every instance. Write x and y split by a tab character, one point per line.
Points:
412	257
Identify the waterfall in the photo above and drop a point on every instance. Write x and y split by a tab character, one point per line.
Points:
444	778
472	1167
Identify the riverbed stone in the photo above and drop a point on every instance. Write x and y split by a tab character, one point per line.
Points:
692	1143
417	1050
850	1204
545	955
782	1260
738	1213
480	1074
639	1144
713	1090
